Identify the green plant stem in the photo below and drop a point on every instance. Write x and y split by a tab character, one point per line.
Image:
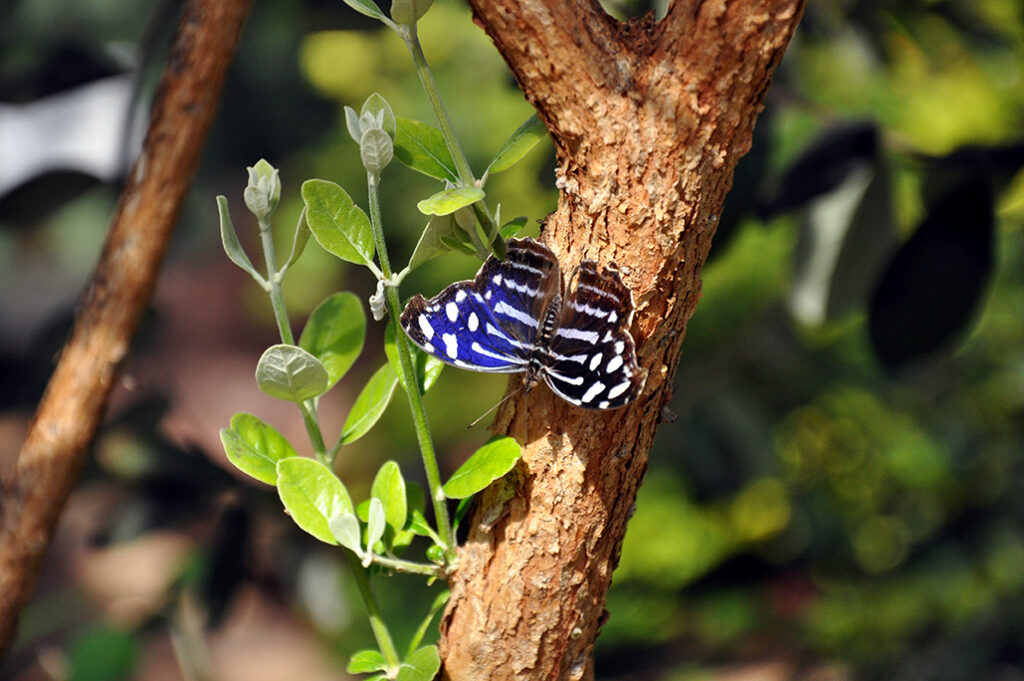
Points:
307	408
419	416
412	42
273	278
408	566
380	629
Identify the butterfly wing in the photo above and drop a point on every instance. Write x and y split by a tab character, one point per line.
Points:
591	359
488	324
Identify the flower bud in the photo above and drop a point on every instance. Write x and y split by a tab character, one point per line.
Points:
264	189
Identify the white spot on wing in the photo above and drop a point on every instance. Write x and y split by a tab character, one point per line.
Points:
460	296
620	347
619	389
589	336
593	391
612	317
614	363
452	310
425	327
595	360
473	322
451	345
505	309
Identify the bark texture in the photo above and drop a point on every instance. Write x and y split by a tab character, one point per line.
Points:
648	119
113	302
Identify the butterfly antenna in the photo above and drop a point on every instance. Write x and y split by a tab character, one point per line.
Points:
502	401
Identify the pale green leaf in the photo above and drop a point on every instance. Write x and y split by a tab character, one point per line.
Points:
369	405
448	201
290	373
312	494
335	333
518	144
340	226
365	661
422	148
389	488
490	462
255	447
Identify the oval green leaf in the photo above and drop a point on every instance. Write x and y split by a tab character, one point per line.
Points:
375	525
490	462
369	406
367	7
290	373
420	666
255	447
448	201
365	661
335	333
340	226
345	528
430	244
312	494
389	488
422	148
518	144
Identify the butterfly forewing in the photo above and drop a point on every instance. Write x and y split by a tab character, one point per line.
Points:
487	324
591	355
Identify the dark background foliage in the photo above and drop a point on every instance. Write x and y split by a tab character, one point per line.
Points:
836	493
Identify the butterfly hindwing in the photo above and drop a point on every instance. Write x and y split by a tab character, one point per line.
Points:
591	355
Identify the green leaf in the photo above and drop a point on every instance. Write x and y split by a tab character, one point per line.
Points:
369	405
428	369
409	11
448	201
512	227
345	528
389	488
420	666
459	241
430	244
290	373
438	603
365	661
490	462
312	494
255	447
368	8
299	241
374	104
518	144
232	247
102	654
335	333
337	222
422	148
375	526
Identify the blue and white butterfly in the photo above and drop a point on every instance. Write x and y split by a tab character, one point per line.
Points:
512	317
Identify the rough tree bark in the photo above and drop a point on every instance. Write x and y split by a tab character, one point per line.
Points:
648	119
113	302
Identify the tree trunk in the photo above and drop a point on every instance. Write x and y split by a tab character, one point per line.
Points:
648	120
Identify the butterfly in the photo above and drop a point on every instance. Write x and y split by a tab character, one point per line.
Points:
513	317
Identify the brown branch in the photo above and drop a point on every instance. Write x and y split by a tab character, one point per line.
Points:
110	307
648	125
